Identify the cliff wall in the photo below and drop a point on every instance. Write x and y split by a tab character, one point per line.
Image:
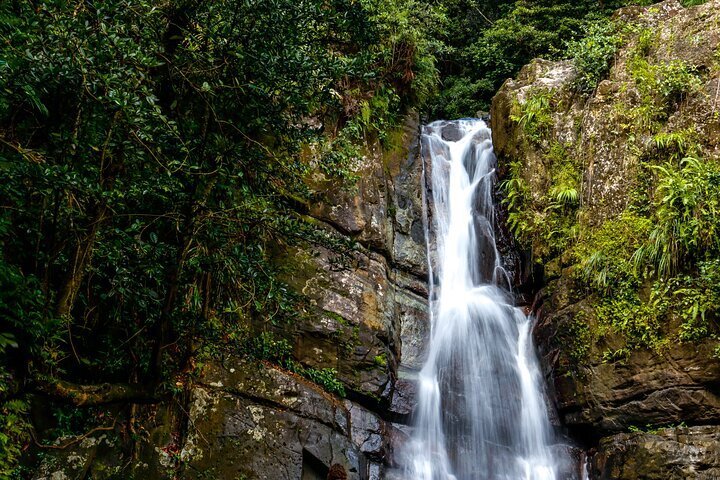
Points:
588	184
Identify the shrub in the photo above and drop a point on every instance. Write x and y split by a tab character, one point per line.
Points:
636	320
676	144
592	55
663	85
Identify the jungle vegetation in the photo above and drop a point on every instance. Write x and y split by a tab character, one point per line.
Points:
151	155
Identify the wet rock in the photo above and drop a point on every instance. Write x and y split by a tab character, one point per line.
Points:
367	319
648	388
369	313
668	454
405	171
157	442
384	210
252	419
397	436
451	132
572	462
483	115
596	397
414	329
404	397
368	431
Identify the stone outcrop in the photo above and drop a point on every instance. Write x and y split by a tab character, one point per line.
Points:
370	321
667	454
676	385
598	127
600	397
257	421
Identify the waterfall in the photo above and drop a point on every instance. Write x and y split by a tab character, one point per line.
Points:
481	412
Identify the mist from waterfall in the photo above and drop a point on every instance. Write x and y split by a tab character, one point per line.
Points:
481	412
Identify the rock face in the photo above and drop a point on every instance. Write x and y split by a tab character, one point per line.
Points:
668	454
374	312
600	126
649	388
601	397
254	420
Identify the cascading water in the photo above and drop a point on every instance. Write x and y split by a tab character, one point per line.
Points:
480	413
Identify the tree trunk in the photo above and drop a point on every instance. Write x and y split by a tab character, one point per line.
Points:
85	246
102	394
81	261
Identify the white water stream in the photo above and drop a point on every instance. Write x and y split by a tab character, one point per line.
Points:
481	412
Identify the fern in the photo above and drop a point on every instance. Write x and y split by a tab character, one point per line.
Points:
564	196
687	217
533	116
677	143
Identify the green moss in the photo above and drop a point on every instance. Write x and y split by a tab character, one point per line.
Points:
517	200
608	257
265	346
655	429
619	262
660	86
658	261
381	360
636	320
692	3
349	339
579	337
565	177
395	144
605	253
339	319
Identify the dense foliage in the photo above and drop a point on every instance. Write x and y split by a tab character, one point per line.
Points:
489	41
150	157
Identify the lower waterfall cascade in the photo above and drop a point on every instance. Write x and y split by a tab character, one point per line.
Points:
480	410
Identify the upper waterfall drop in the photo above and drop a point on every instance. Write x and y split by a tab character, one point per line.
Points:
481	412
